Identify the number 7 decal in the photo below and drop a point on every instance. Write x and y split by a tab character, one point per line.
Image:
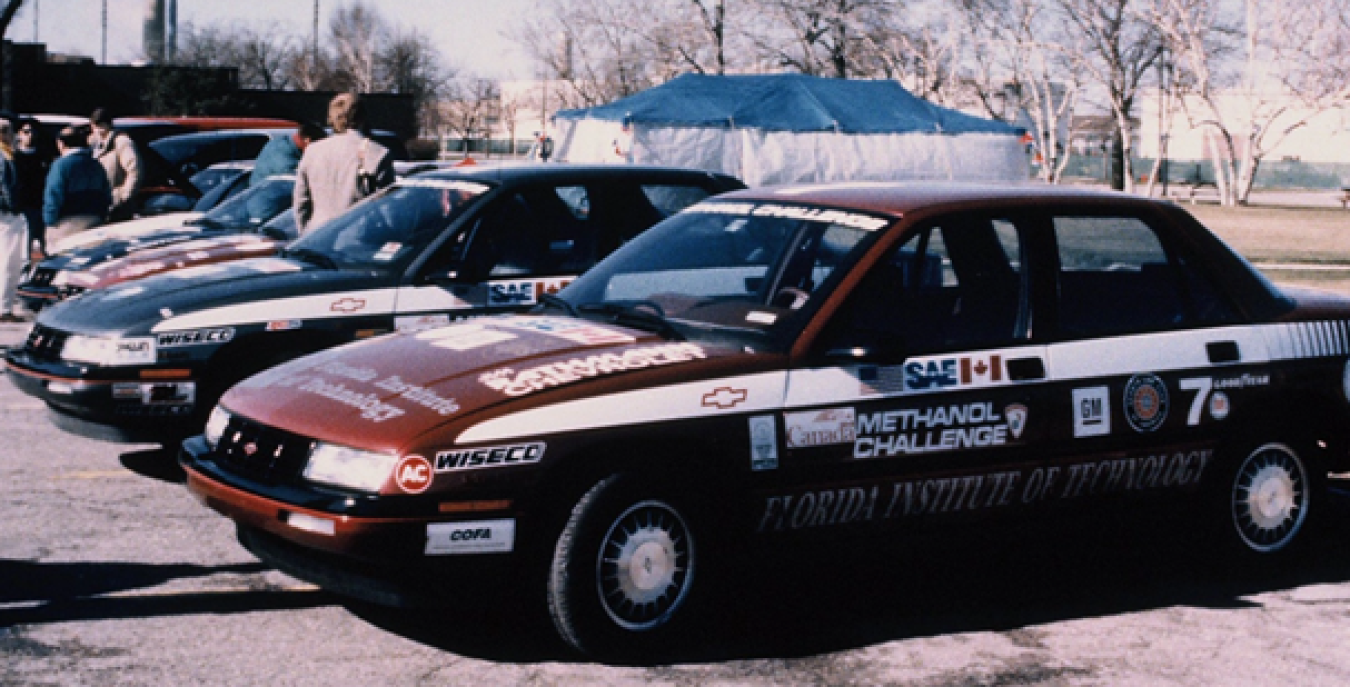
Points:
1202	386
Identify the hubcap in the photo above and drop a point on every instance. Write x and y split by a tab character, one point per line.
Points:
645	566
1270	498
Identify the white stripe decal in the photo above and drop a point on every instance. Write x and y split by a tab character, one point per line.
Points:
1161	352
775	391
310	307
661	404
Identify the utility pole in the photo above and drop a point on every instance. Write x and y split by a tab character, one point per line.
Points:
314	37
105	33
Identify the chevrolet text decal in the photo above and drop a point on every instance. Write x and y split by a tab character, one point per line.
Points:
513	383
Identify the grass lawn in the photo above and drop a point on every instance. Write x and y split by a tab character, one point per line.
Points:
1308	246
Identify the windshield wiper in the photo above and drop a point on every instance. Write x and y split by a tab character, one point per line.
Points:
559	303
640	315
205	223
311	256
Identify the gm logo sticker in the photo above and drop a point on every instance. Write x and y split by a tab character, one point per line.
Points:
1091	412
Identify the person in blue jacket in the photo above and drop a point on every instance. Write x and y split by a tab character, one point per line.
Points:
78	194
282	155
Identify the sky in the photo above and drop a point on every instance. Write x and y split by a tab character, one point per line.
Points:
469	33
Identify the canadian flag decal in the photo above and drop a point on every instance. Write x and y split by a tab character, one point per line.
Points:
981	369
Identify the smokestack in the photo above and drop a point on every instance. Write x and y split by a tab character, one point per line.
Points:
153	33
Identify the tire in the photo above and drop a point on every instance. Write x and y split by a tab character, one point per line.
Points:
622	570
1269	497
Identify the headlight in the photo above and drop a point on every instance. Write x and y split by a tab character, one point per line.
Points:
216	424
100	351
348	467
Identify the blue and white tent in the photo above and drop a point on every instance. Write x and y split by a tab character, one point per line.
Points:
784	128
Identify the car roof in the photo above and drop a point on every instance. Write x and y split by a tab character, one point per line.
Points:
563	172
899	197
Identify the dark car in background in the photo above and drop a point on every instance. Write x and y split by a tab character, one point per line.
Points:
147	359
72	272
195	151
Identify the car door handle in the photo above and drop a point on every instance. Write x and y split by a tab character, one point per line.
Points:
1023	369
1223	352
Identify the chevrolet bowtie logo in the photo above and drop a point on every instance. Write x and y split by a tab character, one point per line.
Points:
348	305
724	397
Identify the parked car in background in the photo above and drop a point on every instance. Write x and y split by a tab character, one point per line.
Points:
147	359
192	152
856	364
215	183
70	273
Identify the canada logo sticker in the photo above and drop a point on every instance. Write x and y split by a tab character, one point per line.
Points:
1145	402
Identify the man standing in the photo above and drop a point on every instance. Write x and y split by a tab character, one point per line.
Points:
117	153
13	227
340	170
282	155
78	194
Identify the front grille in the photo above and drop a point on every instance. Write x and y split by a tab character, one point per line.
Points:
261	453
45	343
42	276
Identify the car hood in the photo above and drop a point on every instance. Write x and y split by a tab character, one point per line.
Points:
129	229
174	256
383	393
137	307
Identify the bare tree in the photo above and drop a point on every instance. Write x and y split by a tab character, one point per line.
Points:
1022	70
820	37
473	104
411	65
1121	44
356	31
1292	65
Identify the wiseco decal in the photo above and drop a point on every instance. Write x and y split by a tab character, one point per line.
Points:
513	383
493	456
192	338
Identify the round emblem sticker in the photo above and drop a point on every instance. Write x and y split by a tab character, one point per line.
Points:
1145	402
413	474
1218	405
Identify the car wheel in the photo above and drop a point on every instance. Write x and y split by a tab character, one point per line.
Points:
1269	497
622	569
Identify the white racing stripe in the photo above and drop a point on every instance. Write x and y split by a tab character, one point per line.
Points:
309	307
1064	362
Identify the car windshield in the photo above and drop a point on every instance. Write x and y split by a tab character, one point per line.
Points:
253	206
727	264
385	232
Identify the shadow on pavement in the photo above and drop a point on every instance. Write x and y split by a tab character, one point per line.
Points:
157	463
804	602
35	592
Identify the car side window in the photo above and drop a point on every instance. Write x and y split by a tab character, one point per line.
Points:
1117	277
542	230
954	285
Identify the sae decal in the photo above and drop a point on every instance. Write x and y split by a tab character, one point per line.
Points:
520	292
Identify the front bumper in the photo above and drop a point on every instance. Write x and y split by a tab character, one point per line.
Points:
374	548
119	404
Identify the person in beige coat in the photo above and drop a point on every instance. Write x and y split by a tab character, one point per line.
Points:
117	153
337	172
